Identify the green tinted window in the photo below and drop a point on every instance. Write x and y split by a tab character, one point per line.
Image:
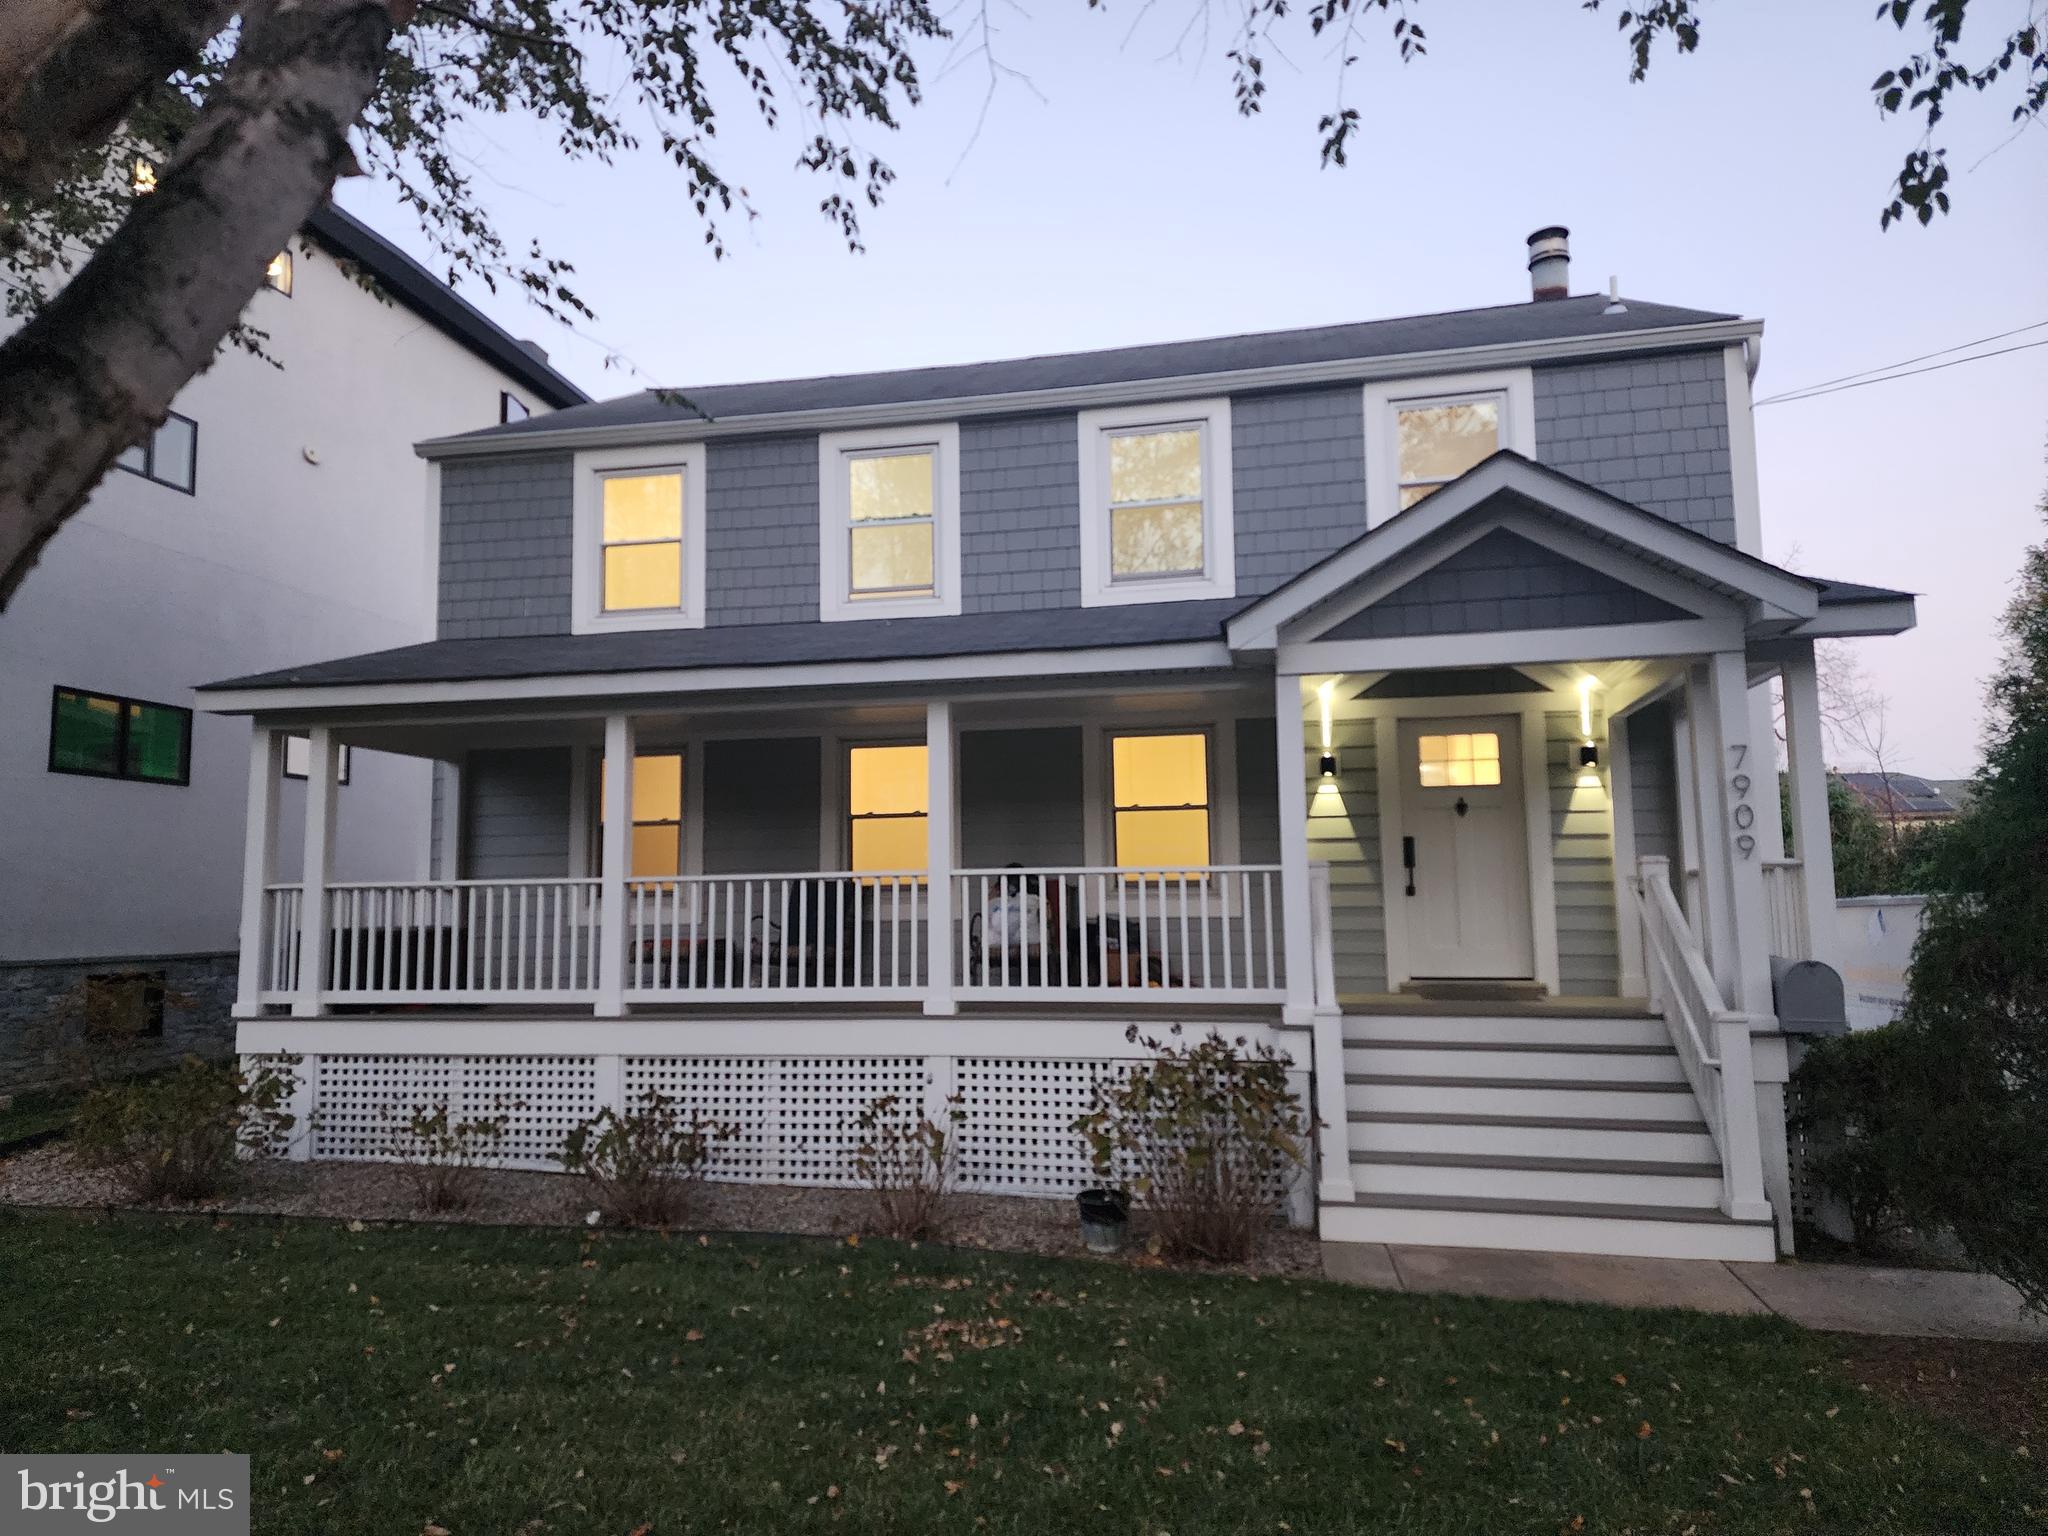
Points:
156	742
119	738
85	734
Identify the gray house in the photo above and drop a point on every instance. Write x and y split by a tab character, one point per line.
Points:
1395	693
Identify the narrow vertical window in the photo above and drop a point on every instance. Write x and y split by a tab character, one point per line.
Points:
1159	787
887	801
278	275
1155	504
891	502
657	836
643	540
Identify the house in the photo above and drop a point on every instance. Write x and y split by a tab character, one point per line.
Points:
275	514
1394	693
1902	800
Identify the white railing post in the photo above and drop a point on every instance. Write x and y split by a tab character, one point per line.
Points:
1333	1112
1650	867
1812	841
1291	743
1742	1167
612	922
259	856
939	998
316	871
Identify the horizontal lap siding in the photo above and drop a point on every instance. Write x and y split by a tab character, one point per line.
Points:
515	810
1653	787
1582	861
1344	829
1653	431
761	804
1021	799
1258	793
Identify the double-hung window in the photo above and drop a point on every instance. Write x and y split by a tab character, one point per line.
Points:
1156	503
109	737
657	834
888	522
1159	796
639	558
1421	434
169	455
888	802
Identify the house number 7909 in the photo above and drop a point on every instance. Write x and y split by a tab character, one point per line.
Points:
1741	813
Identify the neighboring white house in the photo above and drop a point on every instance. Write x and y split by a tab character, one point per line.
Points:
277	514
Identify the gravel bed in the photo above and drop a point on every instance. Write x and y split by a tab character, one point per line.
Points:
48	1176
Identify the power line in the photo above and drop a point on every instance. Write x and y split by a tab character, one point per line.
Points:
1961	346
1813	391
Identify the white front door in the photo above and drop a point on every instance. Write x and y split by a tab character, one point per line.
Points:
1464	883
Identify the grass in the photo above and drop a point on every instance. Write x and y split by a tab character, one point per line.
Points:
512	1381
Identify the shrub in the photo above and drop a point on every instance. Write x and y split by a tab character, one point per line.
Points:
443	1157
641	1165
1205	1136
1846	1107
907	1165
174	1136
89	1035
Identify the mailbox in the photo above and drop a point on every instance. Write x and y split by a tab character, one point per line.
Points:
1808	997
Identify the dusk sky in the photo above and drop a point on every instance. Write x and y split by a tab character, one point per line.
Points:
1133	204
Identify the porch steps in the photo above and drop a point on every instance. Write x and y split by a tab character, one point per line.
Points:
1573	1134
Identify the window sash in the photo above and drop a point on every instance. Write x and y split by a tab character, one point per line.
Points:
1199	501
146	459
1404	483
928	520
857	818
673	541
1147	810
125	755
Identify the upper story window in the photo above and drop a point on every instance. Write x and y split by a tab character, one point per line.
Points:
1421	434
278	275
1155	503
889	522
298	759
169	455
511	408
109	737
639	558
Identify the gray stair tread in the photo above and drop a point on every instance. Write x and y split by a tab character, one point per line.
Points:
1557	1048
1386	1080
1531	1122
1540	1164
1578	1010
1591	1209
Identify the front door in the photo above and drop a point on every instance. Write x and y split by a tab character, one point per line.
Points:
1466	896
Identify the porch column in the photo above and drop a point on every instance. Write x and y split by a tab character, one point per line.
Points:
323	754
259	858
618	863
1296	932
1812	836
1763	730
1744	769
939	830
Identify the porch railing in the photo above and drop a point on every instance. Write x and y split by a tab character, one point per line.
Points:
279	977
1785	909
474	941
1712	1040
1199	935
734	937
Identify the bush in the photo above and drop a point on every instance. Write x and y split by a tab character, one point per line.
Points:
641	1165
1205	1136
174	1137
443	1157
907	1165
1846	1106
90	1035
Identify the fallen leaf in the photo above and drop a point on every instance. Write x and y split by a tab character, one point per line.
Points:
953	1488
1620	1380
1643	1430
431	1529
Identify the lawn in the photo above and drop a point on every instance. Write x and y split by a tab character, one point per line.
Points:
501	1381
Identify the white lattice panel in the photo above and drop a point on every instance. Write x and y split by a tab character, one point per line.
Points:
358	1101
1017	1137
796	1116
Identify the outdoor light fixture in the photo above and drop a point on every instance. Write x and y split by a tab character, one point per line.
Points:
1589	756
1329	765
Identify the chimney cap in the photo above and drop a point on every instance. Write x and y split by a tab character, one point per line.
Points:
1550	262
1543	240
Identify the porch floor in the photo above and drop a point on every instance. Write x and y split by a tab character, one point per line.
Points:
1535	1007
816	1012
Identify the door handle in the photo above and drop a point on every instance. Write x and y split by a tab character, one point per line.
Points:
1408	861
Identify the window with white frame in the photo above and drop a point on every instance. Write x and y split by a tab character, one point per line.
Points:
888	522
1159	800
656	839
888	804
1156	503
1421	434
639	530
298	759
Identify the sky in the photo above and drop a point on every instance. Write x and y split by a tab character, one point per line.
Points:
1109	193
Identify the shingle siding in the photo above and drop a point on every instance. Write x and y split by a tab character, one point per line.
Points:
1653	431
761	530
1298	478
1020	526
506	544
515	809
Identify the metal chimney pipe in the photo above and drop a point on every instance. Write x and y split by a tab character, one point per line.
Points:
1550	263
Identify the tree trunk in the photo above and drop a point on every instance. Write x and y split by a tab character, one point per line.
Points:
70	72
98	368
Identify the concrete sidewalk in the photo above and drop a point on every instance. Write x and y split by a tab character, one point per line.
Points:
1840	1298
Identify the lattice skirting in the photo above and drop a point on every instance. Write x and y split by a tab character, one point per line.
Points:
794	1118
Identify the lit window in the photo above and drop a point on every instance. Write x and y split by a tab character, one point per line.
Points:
887	800
511	407
1440	442
643	540
116	738
1458	760
278	274
1155	503
657	813
888	514
1159	786
298	759
169	455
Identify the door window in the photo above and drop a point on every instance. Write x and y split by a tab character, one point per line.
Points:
1458	759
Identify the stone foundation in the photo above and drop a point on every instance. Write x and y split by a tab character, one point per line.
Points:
198	1019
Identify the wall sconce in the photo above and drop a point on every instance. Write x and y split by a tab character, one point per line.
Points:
1329	765
1589	756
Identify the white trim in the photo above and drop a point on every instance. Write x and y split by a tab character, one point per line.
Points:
1811	835
941	822
587	615
1536	827
1506	647
835	601
1290	741
1621	810
1218	577
619	747
259	857
1515	388
1885	616
1742	470
316	871
1392	365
